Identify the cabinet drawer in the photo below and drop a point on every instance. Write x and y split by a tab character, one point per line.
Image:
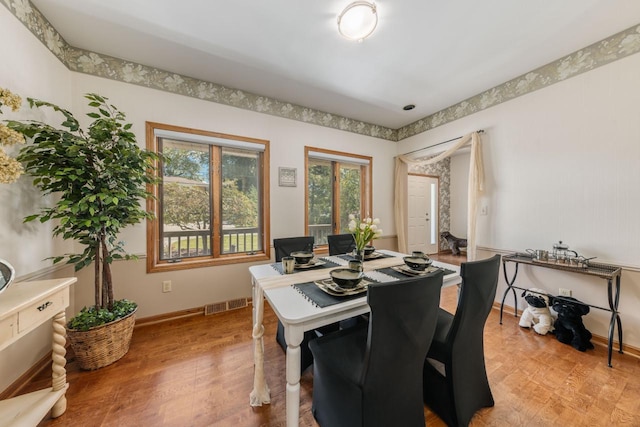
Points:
8	328
42	310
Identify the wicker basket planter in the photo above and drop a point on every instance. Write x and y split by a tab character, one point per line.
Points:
104	344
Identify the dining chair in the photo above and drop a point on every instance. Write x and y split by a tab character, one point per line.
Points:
283	247
369	375
454	377
341	243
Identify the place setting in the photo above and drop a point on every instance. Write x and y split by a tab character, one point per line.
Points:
305	260
418	264
299	261
345	281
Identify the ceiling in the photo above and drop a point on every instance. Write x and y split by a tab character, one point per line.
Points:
430	53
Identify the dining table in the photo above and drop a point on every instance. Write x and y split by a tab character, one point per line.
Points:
301	305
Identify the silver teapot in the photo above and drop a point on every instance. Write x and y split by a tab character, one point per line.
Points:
562	254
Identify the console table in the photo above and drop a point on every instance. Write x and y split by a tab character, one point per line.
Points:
610	273
24	307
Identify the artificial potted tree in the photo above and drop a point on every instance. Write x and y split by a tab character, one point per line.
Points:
98	177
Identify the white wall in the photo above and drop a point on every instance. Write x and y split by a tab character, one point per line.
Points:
562	163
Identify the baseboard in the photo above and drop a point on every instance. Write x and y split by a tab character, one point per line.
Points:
208	309
151	320
596	339
15	388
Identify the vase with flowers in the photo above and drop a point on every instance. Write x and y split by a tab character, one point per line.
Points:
363	233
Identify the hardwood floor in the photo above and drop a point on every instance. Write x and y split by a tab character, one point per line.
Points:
198	371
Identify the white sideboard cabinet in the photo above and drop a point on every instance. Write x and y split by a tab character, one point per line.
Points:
23	307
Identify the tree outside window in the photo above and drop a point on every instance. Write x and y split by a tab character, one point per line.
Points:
337	184
211	200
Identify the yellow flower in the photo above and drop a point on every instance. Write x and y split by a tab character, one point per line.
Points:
10	169
10	136
9	99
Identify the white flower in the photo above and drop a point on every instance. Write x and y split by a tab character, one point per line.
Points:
365	231
173	82
352	217
89	63
22	8
52	39
133	74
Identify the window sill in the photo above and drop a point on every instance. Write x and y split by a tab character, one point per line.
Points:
186	264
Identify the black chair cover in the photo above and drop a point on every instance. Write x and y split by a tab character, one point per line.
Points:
369	375
341	243
284	247
463	388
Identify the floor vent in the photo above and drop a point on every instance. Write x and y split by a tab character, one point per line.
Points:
237	303
219	307
215	308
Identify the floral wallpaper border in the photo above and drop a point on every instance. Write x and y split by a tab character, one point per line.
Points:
608	50
611	49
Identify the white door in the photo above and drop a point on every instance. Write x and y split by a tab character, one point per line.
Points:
422	214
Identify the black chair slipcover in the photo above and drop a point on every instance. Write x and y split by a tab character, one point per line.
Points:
369	375
454	377
341	243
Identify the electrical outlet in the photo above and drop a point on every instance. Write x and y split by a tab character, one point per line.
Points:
564	292
166	286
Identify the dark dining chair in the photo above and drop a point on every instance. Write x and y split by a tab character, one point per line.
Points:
283	247
369	375
341	243
454	377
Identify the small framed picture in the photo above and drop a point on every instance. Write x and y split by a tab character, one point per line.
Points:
287	177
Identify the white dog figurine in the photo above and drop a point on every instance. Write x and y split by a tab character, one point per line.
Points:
537	314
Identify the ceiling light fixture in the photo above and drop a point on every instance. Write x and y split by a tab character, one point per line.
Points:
358	20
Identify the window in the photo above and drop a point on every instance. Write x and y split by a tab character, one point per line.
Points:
211	199
337	184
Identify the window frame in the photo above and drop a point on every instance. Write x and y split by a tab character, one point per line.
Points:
366	186
154	263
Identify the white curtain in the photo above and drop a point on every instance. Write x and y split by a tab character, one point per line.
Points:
476	186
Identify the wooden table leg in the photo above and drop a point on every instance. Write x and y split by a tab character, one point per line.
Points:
59	373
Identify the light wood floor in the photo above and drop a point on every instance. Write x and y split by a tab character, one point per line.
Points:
198	371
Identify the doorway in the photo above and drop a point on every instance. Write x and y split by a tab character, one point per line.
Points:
422	211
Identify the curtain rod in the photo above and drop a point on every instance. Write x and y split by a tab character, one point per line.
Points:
440	143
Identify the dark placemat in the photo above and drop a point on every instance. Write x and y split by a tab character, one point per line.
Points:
349	257
320	298
277	266
393	273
